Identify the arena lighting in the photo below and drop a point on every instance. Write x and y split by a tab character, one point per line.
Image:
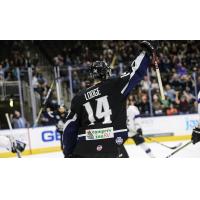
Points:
11	103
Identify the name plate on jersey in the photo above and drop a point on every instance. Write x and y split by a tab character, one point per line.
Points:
99	134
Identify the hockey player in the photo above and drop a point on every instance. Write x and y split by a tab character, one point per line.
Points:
134	128
11	145
96	124
196	131
59	116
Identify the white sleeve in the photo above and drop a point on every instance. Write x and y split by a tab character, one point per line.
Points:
133	120
130	119
137	118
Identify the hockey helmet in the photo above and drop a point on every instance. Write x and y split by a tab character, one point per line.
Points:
100	70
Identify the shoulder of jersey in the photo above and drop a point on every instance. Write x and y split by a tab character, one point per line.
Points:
77	96
199	95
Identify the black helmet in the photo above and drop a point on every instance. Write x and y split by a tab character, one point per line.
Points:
100	70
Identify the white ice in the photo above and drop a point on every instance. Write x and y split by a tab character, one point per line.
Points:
191	151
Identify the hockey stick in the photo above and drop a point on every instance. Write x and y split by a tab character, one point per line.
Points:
119	152
119	142
159	81
172	148
12	137
190	142
43	104
112	65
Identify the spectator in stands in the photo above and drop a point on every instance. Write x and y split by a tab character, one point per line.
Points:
10	77
35	81
145	84
170	93
40	85
174	80
17	120
3	70
181	70
76	82
166	103
144	106
184	107
58	60
157	106
154	85
189	96
42	90
171	110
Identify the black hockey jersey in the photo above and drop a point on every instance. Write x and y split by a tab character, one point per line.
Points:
58	118
99	112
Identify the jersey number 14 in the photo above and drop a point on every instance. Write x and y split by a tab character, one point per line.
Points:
102	110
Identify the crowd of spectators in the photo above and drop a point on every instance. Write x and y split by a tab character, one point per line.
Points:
179	65
18	55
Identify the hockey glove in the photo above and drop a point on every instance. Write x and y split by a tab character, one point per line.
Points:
196	135
147	46
150	48
18	146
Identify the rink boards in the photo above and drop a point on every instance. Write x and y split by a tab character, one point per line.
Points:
46	139
38	140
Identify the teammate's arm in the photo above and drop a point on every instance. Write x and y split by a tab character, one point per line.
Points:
70	131
196	131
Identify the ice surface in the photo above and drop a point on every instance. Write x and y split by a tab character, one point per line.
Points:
191	151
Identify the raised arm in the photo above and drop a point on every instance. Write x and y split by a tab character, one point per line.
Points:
138	69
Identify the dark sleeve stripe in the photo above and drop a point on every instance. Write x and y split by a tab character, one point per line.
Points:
198	100
137	76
